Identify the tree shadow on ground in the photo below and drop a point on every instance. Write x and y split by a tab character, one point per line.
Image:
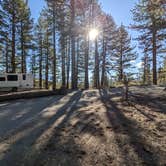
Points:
148	115
157	104
65	147
121	125
22	149
22	111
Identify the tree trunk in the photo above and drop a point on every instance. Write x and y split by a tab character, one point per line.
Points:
96	70
103	77
68	63
47	60
54	50
13	63
73	72
144	68
154	56
73	63
87	65
23	58
7	56
34	70
121	64
63	62
40	63
77	63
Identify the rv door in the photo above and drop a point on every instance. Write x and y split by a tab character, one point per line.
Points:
12	80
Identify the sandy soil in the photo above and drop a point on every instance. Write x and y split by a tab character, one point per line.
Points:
85	128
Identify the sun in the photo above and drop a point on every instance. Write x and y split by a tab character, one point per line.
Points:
93	33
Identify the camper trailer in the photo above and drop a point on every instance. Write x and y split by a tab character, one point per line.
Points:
16	81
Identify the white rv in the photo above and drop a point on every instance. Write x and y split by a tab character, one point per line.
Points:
16	81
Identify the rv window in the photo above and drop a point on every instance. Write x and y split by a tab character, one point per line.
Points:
24	77
2	78
12	78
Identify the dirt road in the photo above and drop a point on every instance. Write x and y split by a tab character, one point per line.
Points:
83	128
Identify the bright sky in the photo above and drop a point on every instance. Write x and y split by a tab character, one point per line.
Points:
119	9
36	6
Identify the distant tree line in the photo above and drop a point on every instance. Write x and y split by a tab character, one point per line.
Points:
58	50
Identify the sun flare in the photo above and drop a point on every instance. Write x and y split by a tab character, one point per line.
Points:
93	33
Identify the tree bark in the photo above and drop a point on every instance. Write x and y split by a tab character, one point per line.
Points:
103	77
96	70
68	63
54	50
40	63
121	64
7	56
13	63
63	62
77	63
34	70
154	56
73	72
23	58
87	65
47	64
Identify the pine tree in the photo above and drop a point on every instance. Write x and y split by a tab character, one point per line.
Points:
149	17
62	28
96	10
10	11
52	7
124	52
16	33
40	46
25	33
47	45
73	72
109	32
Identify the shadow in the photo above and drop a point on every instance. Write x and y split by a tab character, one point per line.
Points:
22	149
60	133
147	115
4	104
115	92
88	123
90	94
157	104
22	111
65	145
122	125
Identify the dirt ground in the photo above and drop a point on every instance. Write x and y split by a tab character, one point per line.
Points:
90	128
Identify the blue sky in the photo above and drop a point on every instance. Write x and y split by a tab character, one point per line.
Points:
119	9
36	6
